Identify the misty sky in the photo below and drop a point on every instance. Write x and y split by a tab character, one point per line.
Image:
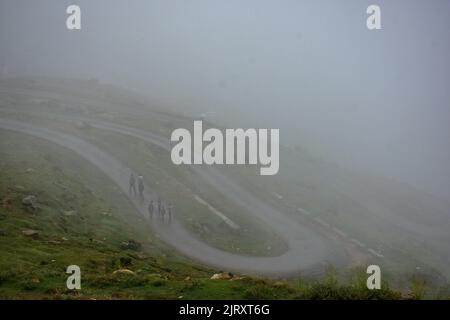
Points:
373	100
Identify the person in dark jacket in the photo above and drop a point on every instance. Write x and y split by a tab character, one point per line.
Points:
159	208
150	210
132	187
169	213
141	186
163	213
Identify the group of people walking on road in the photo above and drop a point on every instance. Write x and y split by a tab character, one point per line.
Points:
163	211
140	183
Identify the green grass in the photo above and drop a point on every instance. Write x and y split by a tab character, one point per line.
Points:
81	222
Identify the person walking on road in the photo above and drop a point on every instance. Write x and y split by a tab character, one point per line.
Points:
150	210
141	187
159	208
132	187
169	213
163	214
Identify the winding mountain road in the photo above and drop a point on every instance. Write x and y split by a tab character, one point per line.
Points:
308	252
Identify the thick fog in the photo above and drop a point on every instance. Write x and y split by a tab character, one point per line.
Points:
373	100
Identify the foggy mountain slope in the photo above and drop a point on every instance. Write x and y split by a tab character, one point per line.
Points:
84	218
381	200
294	260
327	192
392	218
310	142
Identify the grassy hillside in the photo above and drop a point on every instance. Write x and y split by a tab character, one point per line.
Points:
83	219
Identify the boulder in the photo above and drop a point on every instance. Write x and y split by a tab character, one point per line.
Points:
30	202
69	213
30	233
222	276
130	245
124	271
